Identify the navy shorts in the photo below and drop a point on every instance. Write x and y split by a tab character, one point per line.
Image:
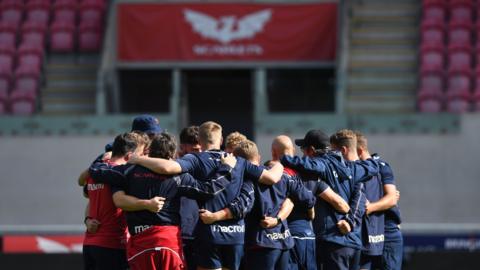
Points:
370	262
214	256
267	258
189	253
303	255
393	250
336	257
99	258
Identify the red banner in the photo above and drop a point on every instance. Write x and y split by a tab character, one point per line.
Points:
239	32
42	244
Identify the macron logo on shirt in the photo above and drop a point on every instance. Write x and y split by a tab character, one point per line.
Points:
92	187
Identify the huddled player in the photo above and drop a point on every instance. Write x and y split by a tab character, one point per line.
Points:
155	206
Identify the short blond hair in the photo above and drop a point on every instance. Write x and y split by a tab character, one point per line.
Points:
247	150
362	141
344	137
234	139
210	133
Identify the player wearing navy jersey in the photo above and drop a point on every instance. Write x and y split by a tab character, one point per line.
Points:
386	206
155	240
188	207
219	244
338	235
303	255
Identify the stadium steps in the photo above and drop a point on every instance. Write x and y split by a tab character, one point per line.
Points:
382	65
71	85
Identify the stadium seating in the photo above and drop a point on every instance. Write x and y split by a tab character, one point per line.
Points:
38	11
432	58
12	11
33	34
62	34
65	11
89	36
461	10
434	10
22	102
27	28
433	32
462	56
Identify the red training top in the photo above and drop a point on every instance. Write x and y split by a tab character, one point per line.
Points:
112	231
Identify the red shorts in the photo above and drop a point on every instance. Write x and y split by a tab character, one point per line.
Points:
158	247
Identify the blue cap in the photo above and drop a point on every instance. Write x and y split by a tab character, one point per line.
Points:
146	123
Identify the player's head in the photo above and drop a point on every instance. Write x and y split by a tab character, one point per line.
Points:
189	140
233	140
344	141
146	123
315	142
282	145
362	145
127	143
210	135
249	151
163	145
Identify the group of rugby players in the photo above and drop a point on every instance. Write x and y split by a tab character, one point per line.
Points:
153	207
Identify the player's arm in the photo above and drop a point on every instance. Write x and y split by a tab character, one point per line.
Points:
305	164
357	206
158	165
335	200
197	189
130	203
82	178
389	200
265	176
272	175
237	209
285	211
365	169
104	173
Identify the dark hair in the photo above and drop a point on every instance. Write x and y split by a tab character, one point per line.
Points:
163	146
124	143
189	135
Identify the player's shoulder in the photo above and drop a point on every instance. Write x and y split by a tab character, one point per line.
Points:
380	160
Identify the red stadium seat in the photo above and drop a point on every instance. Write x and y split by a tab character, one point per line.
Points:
431	83
476	100
7	57
434	10
459	58
38	11
461	10
459	84
432	58
65	11
22	102
33	34
430	106
91	11
3	101
89	36
460	33
30	56
62	37
8	34
27	78
5	81
12	11
458	105
433	32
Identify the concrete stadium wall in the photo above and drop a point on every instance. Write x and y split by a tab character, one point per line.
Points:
437	175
